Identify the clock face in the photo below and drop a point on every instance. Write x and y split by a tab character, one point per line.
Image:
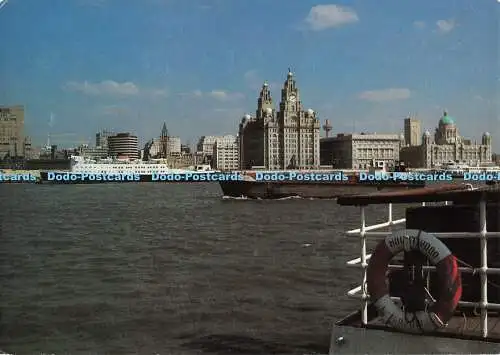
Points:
292	98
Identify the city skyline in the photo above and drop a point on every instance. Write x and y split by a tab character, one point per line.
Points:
363	66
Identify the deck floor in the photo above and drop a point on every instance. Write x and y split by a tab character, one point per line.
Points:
466	325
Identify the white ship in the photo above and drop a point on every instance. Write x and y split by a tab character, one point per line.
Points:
86	170
81	164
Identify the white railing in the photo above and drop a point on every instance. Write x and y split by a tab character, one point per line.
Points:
362	262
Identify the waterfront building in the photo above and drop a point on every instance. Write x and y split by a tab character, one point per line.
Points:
164	146
156	147
447	145
13	142
226	154
123	144
174	145
205	147
287	139
359	151
97	152
412	132
496	159
101	139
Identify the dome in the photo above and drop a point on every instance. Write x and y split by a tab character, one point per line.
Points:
269	110
446	120
246	117
266	84
427	134
310	112
487	134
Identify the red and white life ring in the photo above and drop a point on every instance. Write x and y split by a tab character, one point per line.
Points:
448	274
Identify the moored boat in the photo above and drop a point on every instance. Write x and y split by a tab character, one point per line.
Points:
444	296
88	171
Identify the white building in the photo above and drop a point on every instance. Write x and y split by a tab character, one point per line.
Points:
225	155
447	146
206	143
174	145
359	151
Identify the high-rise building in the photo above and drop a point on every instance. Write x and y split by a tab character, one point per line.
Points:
174	145
412	132
285	139
226	153
12	139
206	147
101	139
123	144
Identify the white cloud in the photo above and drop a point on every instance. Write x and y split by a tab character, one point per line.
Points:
3	3
384	95
112	88
419	24
219	95
445	26
322	17
252	79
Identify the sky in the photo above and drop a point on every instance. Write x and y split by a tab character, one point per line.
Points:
79	66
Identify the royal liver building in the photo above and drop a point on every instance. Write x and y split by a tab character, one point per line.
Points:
288	139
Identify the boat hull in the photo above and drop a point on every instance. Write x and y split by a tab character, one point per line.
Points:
319	190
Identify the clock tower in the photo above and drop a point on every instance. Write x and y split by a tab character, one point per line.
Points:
290	100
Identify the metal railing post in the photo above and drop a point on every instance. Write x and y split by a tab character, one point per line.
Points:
364	308
484	269
389	217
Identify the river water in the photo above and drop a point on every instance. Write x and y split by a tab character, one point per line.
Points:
171	269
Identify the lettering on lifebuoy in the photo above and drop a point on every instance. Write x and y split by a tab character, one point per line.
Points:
414	243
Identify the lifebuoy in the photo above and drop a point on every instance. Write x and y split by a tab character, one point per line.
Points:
448	274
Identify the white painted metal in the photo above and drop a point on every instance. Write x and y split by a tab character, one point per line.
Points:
364	231
364	264
360	341
484	269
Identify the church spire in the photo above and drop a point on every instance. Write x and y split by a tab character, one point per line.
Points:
164	130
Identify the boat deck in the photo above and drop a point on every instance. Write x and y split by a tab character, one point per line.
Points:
462	336
460	326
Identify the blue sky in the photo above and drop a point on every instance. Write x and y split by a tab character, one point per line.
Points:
130	65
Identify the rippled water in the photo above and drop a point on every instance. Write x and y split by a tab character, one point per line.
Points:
170	268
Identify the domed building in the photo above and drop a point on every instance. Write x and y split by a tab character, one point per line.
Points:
447	146
287	139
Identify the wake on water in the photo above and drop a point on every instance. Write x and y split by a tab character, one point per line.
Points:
245	198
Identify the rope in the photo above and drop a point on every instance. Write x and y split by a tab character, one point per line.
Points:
414	319
475	270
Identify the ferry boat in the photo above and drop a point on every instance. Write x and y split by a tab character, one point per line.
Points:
134	170
443	297
456	170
